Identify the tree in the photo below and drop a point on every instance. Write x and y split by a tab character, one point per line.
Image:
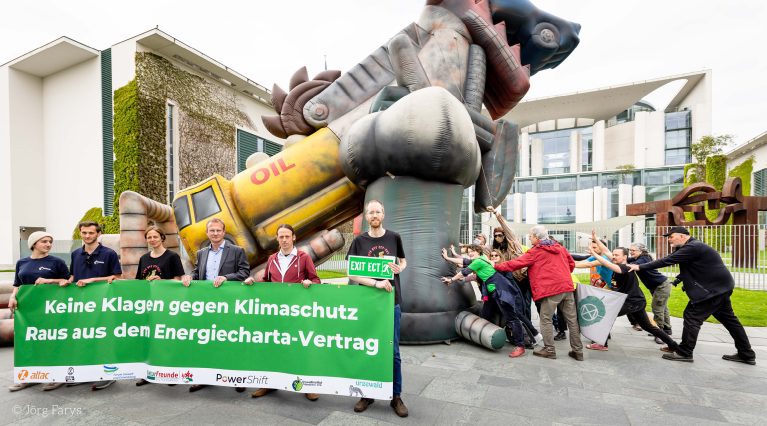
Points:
706	147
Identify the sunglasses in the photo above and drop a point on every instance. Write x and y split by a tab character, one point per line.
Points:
499	235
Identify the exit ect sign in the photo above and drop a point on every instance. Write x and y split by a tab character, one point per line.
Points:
371	267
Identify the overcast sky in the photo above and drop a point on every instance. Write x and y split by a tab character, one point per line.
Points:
621	42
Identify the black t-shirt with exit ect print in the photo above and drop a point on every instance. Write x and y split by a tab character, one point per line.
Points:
390	244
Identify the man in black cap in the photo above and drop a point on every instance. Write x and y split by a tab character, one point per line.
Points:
709	285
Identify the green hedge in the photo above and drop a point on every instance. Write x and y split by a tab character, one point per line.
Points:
744	171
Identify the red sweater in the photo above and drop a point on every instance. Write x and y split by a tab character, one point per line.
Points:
549	268
300	268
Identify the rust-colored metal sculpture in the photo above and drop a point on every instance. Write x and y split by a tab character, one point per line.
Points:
744	210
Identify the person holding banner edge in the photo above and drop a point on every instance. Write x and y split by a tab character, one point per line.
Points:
380	242
218	262
158	264
634	307
288	265
39	268
93	263
709	286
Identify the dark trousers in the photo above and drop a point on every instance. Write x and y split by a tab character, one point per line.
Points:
527	296
637	315
503	314
397	370
721	309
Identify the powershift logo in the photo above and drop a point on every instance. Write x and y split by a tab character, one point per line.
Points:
242	380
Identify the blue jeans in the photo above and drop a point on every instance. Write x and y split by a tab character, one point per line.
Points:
397	360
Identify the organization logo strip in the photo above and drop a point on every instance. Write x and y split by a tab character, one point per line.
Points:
205	376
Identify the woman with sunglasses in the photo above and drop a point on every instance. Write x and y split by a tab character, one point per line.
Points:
39	268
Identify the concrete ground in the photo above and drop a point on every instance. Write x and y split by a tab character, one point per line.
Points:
459	383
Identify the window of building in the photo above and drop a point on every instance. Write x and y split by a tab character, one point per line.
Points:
588	181
663	184
525	186
248	143
587	157
630	113
556	151
567	183
172	172
759	188
678	137
556	207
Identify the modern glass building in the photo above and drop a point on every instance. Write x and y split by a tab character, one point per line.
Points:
584	156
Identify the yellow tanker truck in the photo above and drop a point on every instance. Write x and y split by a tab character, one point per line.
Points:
303	186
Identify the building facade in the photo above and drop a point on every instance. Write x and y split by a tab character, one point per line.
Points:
149	114
584	156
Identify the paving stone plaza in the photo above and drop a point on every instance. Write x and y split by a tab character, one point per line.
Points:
459	383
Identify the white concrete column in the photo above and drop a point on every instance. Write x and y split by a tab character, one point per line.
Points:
584	205
641	124
524	154
639	197
625	195
517	200
537	164
531	207
598	146
605	203
596	208
575	152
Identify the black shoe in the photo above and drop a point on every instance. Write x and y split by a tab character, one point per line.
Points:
667	331
658	340
673	356
363	404
560	336
738	358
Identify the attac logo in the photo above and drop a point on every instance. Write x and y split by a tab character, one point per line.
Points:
187	377
36	375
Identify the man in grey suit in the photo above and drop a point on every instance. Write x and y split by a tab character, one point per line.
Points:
219	262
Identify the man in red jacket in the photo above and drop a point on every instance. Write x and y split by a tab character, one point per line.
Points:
549	267
288	265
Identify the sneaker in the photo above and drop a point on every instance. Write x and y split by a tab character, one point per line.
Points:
560	336
312	396
578	356
636	327
102	384
398	406
596	347
363	404
52	386
19	386
261	392
738	358
666	349
517	352
673	356
658	340
545	353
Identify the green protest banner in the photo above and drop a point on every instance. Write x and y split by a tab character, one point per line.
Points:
321	339
371	267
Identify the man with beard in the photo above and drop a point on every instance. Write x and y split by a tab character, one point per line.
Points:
380	242
709	286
